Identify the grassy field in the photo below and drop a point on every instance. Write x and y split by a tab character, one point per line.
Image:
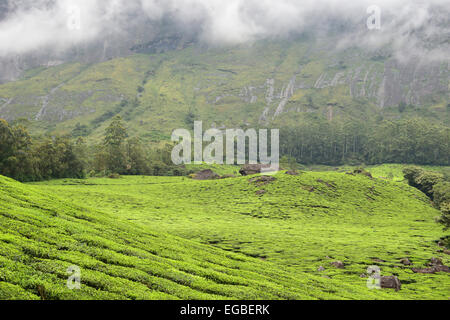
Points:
122	258
173	237
392	172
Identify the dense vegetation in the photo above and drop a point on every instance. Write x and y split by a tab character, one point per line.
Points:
435	185
51	157
224	87
413	141
153	233
24	159
317	142
173	237
41	236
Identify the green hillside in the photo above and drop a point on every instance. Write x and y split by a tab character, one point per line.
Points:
42	236
270	82
172	237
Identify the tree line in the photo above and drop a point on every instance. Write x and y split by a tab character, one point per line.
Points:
24	159
53	157
412	141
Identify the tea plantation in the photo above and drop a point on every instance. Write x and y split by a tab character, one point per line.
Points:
237	238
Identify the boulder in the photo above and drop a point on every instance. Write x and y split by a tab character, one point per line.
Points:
207	174
250	169
435	262
292	173
390	282
423	270
338	264
320	269
431	270
441	269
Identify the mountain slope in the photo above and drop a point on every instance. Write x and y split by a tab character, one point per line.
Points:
42	236
298	223
268	82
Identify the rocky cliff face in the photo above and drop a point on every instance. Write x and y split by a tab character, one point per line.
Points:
265	81
141	34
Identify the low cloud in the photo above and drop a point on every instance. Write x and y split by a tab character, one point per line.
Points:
406	26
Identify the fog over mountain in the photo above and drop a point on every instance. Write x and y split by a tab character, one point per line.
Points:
54	26
405	60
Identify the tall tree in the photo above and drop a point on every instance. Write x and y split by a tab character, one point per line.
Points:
115	136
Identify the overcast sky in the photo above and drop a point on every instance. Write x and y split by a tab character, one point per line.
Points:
38	24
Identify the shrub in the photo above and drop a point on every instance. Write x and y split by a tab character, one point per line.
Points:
445	218
411	174
441	193
423	180
427	180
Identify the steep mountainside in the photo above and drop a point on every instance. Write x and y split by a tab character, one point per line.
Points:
159	73
238	86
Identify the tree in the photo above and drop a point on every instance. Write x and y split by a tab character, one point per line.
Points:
445	218
441	193
138	163
190	118
80	130
22	163
423	180
16	159
289	163
115	136
6	140
56	158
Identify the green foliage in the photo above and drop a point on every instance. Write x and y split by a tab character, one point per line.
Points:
318	141
412	175
80	130
56	158
115	135
51	157
298	224
434	186
423	180
441	193
42	236
190	118
288	163
138	162
130	156
445	218
427	180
